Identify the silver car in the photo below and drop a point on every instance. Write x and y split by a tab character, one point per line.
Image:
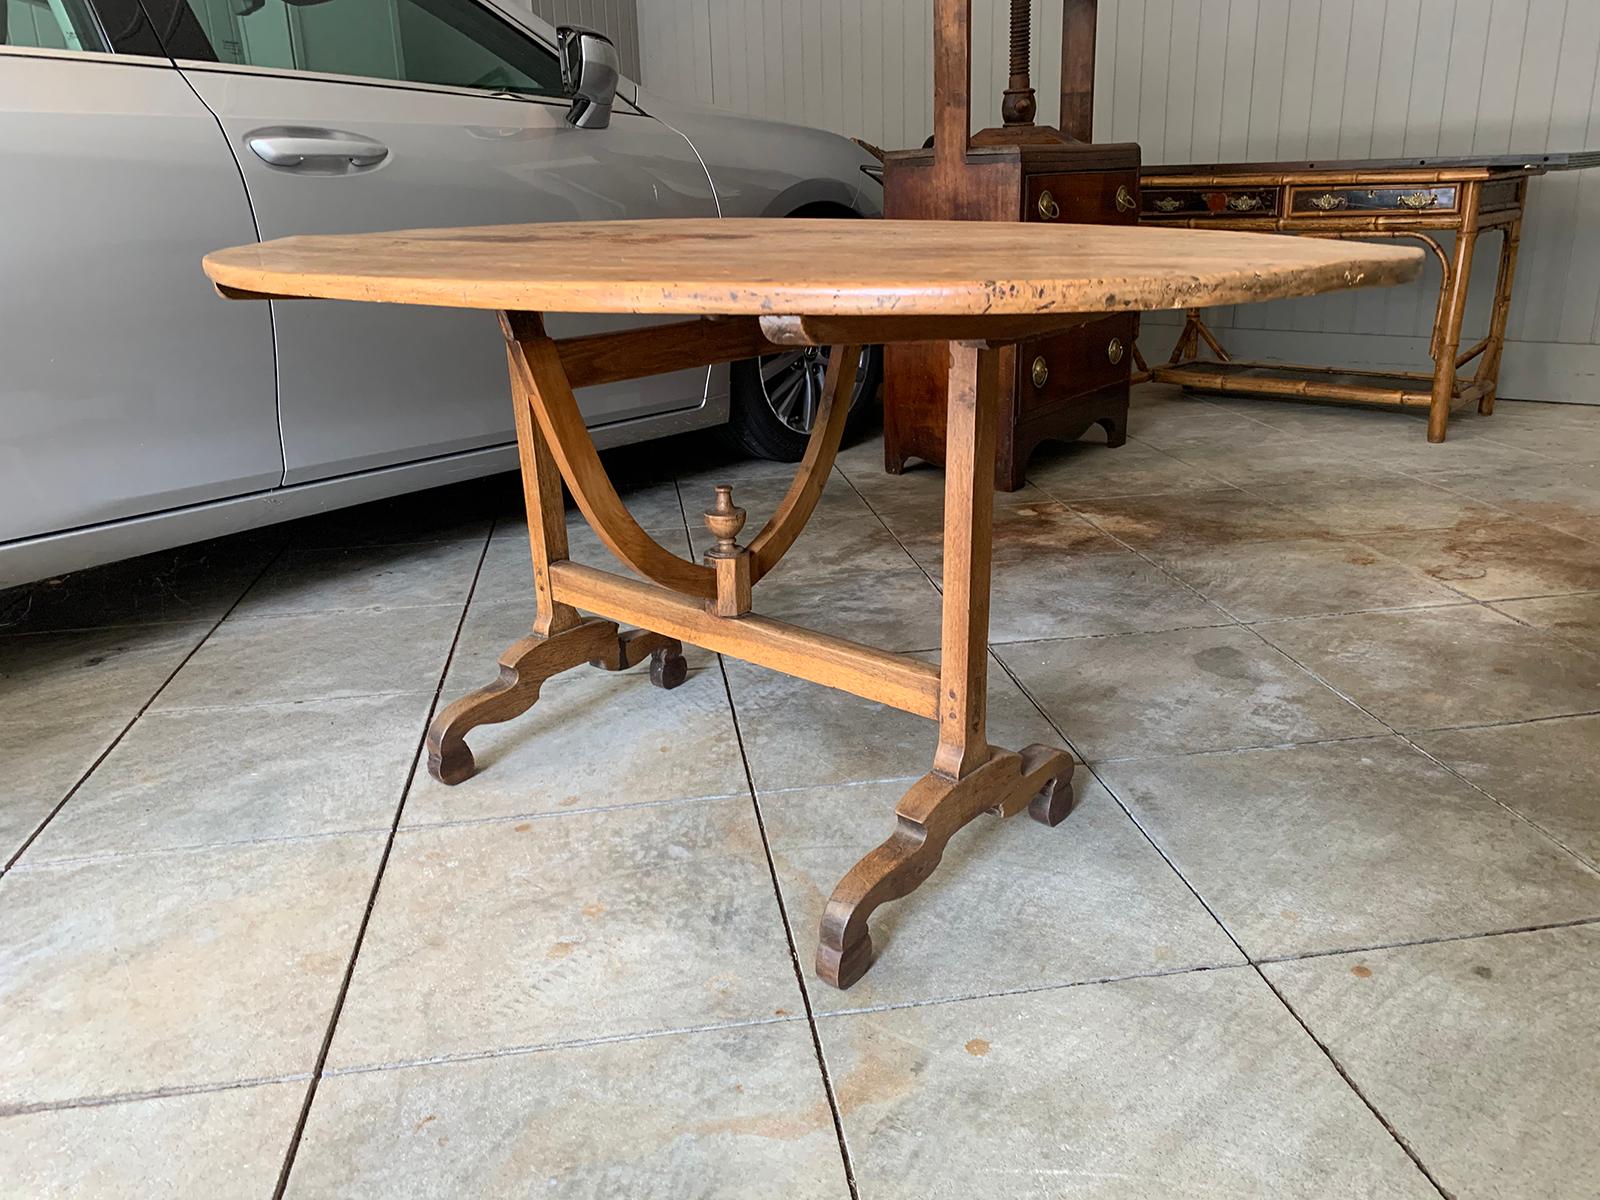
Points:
142	412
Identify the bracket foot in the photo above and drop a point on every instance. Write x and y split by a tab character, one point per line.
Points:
927	817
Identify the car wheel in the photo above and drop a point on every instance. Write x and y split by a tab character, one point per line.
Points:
775	399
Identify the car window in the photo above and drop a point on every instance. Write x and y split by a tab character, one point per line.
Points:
451	42
49	25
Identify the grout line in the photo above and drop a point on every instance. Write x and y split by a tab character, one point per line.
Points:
1351	1083
377	881
1031	989
118	856
523	1051
134	720
794	955
506	818
111	1098
1441	939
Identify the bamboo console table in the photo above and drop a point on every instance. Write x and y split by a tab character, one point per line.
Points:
1412	198
752	287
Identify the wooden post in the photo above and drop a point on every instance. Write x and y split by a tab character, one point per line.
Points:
541	482
1077	69
968	528
1489	368
952	84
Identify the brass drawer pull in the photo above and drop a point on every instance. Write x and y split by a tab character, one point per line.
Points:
1114	351
1327	202
1169	204
1125	200
1244	203
1049	210
1416	201
1041	372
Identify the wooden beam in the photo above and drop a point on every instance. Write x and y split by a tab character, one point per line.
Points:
635	353
893	679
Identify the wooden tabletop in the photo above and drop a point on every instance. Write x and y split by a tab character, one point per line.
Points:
807	267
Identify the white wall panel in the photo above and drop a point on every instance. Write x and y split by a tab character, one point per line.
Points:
1199	80
617	19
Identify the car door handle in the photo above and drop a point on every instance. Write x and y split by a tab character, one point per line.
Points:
295	149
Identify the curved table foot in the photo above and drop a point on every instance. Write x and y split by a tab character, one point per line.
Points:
927	817
526	665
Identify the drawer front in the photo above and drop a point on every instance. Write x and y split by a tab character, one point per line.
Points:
1084	198
1308	200
1188	203
1055	369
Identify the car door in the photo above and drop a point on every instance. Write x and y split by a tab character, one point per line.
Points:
361	115
125	387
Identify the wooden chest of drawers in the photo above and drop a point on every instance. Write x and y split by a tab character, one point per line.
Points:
1060	385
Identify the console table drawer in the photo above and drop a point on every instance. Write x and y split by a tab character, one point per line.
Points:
1084	198
1188	202
1307	200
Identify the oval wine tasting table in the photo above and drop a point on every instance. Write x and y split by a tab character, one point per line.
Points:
752	287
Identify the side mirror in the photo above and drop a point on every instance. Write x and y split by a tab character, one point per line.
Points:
589	72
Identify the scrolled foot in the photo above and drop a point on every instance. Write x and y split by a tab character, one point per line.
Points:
524	667
926	818
668	668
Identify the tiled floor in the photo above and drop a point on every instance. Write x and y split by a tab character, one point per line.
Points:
1325	923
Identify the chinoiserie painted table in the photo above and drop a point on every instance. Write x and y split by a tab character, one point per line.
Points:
1411	198
751	287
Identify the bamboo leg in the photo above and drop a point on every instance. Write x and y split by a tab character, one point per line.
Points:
1447	330
969	776
1489	366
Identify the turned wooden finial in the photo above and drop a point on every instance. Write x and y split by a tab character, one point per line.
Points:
1020	105
725	519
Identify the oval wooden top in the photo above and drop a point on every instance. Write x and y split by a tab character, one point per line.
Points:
808	267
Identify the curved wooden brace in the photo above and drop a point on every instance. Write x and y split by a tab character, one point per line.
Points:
538	364
769	546
1432	243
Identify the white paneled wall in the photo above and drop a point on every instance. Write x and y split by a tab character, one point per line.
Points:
1208	80
617	19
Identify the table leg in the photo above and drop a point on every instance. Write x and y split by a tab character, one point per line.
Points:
561	638
1447	331
1489	368
969	776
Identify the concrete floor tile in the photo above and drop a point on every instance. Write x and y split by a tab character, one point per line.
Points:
187	1147
1400	505
1188	1085
177	970
1345	844
892	608
1020	531
1549	771
67	697
1048	594
1498	561
799	734
1555	495
287	770
594	739
1193	689
1083	470
396	575
715	1115
1257	581
316	656
587	925
1265	457
1196	519
1479	1053
1443	667
1012	905
1573	619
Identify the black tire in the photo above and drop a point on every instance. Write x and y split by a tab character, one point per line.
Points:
770	417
